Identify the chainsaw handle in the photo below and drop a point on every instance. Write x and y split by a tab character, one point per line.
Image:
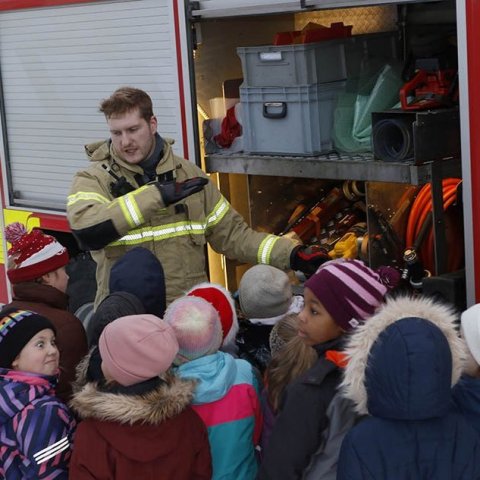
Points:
419	79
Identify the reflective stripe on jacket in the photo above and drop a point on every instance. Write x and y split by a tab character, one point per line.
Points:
177	234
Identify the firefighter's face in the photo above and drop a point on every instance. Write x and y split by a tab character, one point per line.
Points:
132	136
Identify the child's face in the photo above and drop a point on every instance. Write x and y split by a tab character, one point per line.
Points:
39	355
315	324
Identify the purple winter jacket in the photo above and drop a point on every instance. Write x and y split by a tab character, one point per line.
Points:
36	429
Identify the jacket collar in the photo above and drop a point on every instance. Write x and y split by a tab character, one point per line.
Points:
36	292
165	400
104	151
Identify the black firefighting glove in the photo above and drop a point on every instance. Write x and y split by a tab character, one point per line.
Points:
308	258
173	191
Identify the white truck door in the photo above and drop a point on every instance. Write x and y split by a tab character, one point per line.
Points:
57	63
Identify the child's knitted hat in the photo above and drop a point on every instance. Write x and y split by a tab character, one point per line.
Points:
113	306
32	254
223	302
136	348
264	292
471	330
197	326
349	290
17	328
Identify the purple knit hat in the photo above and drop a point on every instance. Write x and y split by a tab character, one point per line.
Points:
349	290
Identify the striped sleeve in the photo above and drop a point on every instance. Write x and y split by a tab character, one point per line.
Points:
96	220
44	436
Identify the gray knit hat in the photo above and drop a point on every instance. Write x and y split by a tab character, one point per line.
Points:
264	292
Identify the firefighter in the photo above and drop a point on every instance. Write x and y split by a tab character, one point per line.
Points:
137	192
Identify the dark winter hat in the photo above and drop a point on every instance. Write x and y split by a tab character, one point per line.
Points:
140	273
115	305
264	292
349	290
17	327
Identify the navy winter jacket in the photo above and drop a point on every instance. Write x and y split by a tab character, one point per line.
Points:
400	371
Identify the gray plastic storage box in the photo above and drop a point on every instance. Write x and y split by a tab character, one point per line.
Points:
290	65
289	120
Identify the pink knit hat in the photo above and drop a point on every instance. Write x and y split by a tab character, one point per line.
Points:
223	302
197	326
350	291
32	254
136	348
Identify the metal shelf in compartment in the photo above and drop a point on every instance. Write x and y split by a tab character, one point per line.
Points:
332	166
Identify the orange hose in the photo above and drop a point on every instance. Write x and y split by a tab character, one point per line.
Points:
427	208
421	207
428	249
422	202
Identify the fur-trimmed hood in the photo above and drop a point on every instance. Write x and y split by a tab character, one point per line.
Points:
152	408
404	360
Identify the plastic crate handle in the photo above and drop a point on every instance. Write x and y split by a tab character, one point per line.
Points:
270	56
281	114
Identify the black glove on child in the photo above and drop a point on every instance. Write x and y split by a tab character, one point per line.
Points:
173	191
308	258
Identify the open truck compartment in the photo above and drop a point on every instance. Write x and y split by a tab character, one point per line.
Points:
310	169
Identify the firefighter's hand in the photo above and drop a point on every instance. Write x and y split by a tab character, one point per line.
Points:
308	258
172	192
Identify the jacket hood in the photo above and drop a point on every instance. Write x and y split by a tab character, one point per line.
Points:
151	408
140	273
390	372
19	389
215	375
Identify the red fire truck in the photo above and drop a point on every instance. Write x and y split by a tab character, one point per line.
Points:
59	58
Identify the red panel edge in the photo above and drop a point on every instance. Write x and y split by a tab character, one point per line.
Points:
21	4
181	91
57	223
3	284
473	57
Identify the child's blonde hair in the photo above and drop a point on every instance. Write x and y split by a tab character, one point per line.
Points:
290	358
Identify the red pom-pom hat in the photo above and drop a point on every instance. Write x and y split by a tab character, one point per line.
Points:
223	302
33	254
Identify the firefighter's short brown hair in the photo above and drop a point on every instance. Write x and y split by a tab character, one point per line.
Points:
126	99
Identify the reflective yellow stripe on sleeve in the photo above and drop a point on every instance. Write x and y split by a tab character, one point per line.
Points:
137	236
140	235
130	210
79	196
265	249
218	212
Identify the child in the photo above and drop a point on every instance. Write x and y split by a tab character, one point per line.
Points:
402	364
140	273
36	429
223	302
136	422
265	296
466	393
113	306
36	270
226	396
291	357
313	418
